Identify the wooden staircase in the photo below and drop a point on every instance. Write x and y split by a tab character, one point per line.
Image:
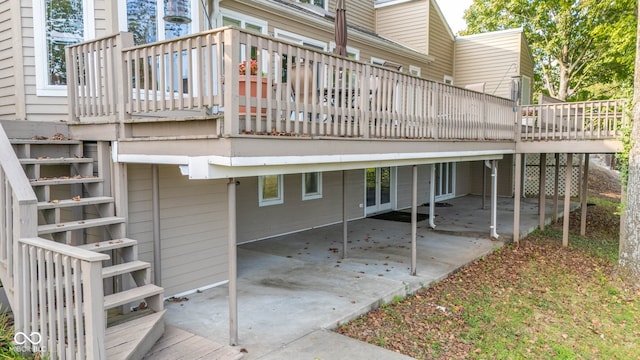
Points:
76	207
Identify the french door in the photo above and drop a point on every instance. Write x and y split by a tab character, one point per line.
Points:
379	183
445	180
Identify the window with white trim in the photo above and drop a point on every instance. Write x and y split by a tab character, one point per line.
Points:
270	190
415	70
143	18
58	23
320	3
311	186
232	18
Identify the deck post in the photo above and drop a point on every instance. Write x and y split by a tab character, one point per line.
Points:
494	199
432	196
233	263
344	215
567	201
516	199
414	219
542	192
556	193
585	192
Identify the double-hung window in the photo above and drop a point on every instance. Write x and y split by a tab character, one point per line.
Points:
311	186
270	190
320	3
58	23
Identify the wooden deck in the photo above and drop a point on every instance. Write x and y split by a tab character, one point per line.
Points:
179	344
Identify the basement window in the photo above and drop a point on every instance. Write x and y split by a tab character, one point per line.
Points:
270	190
311	186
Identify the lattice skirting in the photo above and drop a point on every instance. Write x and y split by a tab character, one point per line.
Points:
532	175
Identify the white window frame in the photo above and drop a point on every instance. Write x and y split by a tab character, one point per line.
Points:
448	79
244	19
415	70
123	22
43	88
326	4
299	39
313	195
271	201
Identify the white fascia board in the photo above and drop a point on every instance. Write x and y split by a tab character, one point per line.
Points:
219	168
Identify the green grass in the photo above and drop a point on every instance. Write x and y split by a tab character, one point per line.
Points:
532	301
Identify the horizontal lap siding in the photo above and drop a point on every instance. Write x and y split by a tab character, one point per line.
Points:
7	64
488	58
193	231
404	181
294	214
405	23
140	217
49	108
505	177
441	47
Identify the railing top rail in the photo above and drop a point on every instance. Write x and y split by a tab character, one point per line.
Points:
586	102
64	249
82	43
14	172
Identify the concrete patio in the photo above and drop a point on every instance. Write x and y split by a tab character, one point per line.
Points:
292	288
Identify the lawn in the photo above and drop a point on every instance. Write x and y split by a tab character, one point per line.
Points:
535	300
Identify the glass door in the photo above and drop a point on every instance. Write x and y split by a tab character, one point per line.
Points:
445	180
378	189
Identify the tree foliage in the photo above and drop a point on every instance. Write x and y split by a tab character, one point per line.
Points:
583	49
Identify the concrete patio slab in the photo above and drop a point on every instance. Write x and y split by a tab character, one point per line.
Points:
293	287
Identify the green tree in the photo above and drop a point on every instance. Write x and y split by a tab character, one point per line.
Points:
582	48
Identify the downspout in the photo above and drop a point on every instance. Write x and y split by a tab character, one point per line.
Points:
494	199
432	197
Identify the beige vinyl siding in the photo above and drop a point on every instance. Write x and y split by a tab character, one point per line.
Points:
464	178
325	34
140	216
7	63
505	177
193	231
295	214
441	47
49	108
405	23
404	185
492	58
360	13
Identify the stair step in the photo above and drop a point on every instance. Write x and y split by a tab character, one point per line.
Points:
56	161
124	268
131	295
45	205
134	338
109	245
78	224
64	181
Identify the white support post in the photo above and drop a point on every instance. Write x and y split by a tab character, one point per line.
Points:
414	220
345	233
516	199
494	199
233	263
432	197
585	184
567	201
542	192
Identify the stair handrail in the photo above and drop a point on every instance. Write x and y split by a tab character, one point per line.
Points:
42	276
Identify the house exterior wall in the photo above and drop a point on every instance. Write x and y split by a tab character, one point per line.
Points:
404	181
441	47
193	226
505	177
18	95
405	23
491	58
295	214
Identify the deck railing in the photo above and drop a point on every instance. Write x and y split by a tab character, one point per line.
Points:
55	290
602	119
296	91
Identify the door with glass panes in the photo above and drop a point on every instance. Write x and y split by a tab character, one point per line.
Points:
445	180
378	189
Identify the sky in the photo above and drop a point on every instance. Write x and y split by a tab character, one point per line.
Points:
453	11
